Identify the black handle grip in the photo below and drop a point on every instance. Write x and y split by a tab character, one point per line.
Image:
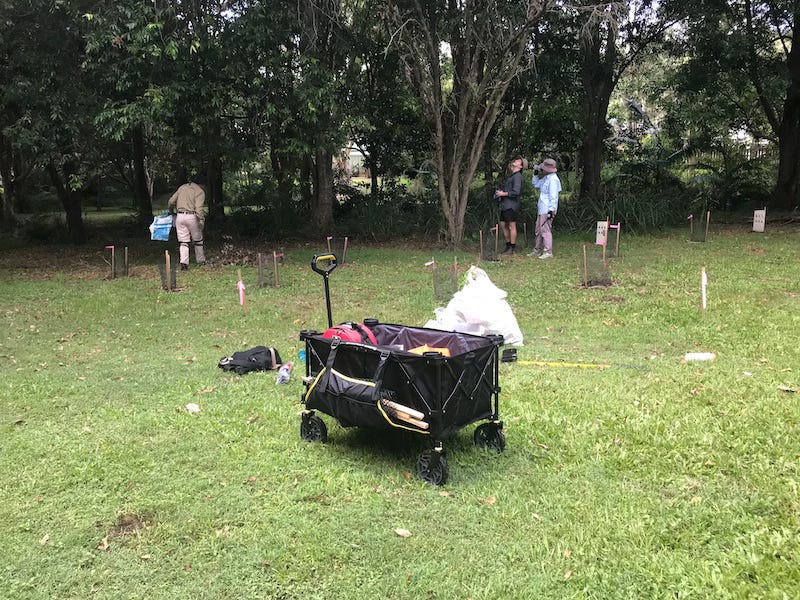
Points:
331	266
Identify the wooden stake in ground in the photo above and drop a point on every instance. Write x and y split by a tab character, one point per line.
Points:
708	223
703	289
113	265
585	268
480	236
616	245
241	288
275	266
126	261
496	230
167	271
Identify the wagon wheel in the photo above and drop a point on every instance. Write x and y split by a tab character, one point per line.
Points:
489	435
432	467
312	428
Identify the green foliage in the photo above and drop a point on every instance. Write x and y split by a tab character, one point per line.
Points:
732	184
392	212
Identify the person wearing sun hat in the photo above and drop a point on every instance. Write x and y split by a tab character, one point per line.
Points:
549	186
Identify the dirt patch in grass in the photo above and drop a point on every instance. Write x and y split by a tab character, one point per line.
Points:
128	525
614	299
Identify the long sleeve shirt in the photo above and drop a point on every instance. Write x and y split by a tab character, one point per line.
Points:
513	187
549	188
190	197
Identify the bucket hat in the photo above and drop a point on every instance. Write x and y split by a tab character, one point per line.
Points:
548	165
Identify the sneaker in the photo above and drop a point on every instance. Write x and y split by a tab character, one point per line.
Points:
546	255
184	267
533	252
508	250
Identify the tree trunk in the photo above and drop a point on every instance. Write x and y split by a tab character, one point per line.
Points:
373	173
598	84
283	175
7	218
9	185
72	202
322	204
785	194
141	193
214	198
306	167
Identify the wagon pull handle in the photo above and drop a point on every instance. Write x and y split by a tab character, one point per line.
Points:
331	266
325	274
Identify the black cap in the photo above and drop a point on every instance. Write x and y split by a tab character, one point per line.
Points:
199	179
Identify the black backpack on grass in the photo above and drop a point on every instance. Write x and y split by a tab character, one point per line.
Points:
259	358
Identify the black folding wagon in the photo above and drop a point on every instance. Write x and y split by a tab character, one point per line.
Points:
425	381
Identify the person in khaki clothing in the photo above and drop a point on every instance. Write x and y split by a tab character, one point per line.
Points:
189	204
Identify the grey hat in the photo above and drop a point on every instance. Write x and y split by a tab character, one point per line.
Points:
548	165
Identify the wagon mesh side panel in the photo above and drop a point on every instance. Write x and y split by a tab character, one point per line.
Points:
451	392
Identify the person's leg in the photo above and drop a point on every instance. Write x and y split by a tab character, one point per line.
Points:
547	236
506	232
512	233
537	245
184	237
196	232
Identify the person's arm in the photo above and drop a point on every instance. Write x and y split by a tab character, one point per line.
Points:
552	195
516	185
173	202
200	205
536	181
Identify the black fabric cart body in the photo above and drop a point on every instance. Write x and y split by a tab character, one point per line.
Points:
359	384
425	381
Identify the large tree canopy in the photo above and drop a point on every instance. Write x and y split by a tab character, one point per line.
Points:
149	92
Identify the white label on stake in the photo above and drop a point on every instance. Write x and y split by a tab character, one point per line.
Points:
759	220
602	233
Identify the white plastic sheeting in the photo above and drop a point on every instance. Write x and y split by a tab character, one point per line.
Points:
479	308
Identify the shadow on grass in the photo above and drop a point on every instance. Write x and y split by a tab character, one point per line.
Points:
388	451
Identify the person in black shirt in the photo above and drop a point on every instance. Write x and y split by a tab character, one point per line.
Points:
509	198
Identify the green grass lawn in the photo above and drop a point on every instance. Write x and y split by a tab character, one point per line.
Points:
653	478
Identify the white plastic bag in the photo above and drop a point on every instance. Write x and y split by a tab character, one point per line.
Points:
480	308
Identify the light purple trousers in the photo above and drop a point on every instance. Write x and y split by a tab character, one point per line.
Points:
189	229
544	234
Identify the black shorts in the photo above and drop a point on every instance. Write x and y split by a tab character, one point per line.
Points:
509	215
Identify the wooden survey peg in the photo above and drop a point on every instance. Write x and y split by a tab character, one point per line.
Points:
338	246
698	232
169	276
241	287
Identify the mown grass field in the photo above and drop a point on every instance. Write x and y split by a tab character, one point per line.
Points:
653	478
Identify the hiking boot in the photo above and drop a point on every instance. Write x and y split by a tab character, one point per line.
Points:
184	267
546	255
508	250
